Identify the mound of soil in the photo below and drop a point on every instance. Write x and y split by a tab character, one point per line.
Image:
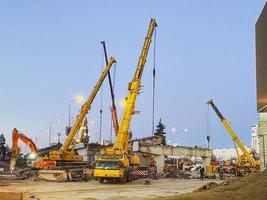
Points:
253	186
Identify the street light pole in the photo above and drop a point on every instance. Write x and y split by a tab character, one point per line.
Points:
58	134
50	130
69	115
77	99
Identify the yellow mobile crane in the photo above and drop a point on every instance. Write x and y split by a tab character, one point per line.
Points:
245	163
117	163
66	158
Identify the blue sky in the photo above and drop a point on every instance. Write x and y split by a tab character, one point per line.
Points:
50	51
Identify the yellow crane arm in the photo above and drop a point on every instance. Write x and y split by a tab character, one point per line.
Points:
232	133
122	138
86	107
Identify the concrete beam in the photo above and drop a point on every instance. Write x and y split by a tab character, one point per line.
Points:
160	152
177	151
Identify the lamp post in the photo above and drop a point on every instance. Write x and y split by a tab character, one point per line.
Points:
50	130
58	134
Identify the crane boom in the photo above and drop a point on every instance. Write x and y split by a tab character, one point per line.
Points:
122	138
66	160
113	108
85	108
232	133
117	163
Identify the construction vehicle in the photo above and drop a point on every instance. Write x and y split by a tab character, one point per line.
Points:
16	136
65	163
245	163
83	138
113	108
118	163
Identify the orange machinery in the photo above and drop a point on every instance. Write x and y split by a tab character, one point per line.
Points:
16	135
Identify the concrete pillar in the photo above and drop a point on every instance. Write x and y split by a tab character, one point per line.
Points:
160	163
262	133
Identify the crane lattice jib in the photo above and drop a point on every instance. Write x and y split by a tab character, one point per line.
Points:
122	138
86	107
232	133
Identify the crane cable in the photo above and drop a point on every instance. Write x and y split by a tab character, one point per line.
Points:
208	126
101	101
154	82
113	87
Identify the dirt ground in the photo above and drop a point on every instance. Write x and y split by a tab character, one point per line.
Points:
251	187
107	191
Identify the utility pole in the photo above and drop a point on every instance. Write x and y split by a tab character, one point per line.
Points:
50	132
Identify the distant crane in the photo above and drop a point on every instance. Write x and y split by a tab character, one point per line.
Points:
246	163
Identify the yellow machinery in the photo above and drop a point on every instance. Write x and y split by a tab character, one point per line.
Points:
66	156
245	163
117	163
84	129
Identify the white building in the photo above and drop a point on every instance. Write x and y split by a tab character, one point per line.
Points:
254	138
227	153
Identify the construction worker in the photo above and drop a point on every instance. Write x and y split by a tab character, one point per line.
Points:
202	171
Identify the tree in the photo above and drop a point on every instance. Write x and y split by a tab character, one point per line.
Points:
2	140
160	129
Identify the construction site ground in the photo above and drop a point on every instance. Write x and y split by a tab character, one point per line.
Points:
94	190
251	187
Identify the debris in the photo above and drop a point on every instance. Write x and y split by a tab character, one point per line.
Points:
147	181
252	186
207	186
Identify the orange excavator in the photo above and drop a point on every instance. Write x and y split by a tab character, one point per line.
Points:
16	135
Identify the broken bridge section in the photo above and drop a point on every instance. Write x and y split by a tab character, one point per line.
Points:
161	151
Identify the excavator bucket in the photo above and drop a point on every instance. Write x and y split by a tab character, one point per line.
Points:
12	165
13	160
